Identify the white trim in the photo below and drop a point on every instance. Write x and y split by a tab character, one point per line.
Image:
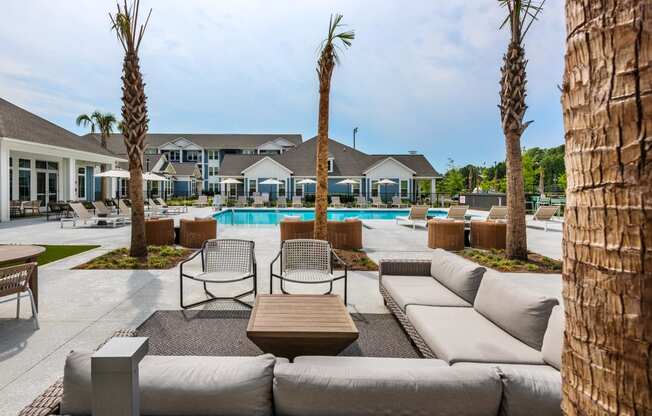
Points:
380	162
248	168
32	147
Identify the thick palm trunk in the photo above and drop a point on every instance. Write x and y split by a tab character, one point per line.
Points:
516	243
607	244
321	196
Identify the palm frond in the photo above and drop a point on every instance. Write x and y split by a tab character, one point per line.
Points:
86	120
330	44
520	16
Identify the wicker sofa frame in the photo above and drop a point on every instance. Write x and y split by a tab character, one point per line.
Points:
404	268
49	402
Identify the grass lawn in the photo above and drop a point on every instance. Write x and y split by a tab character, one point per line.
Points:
356	260
163	257
496	259
56	252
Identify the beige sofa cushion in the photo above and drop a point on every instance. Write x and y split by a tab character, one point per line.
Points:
332	390
528	390
458	274
462	334
521	312
369	362
553	340
183	385
420	290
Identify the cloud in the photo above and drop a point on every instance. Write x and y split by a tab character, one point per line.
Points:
420	75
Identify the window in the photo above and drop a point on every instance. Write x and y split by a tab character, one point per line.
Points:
24	179
192	155
281	188
253	186
298	188
11	179
213	155
355	188
330	165
404	188
172	155
248	152
374	188
212	171
47	181
151	151
81	183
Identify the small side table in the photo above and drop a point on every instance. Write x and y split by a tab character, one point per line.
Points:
446	234
488	235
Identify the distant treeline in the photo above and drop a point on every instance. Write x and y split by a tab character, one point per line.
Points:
536	162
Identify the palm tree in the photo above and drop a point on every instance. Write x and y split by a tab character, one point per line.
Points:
134	115
521	14
607	269
328	58
104	122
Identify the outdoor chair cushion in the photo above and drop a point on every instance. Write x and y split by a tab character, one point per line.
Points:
332	390
521	312
183	385
420	290
553	340
369	362
460	275
462	334
528	390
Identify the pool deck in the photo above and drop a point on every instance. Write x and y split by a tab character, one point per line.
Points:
81	308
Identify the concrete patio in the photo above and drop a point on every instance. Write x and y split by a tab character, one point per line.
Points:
81	308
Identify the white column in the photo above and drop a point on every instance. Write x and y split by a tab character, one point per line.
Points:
4	181
71	179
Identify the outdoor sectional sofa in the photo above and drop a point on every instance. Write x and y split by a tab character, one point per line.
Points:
497	348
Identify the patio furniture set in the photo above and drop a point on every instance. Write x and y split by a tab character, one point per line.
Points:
489	347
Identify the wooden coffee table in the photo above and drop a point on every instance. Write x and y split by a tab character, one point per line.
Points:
292	325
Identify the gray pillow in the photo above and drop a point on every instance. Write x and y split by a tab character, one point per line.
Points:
315	390
522	313
553	339
458	274
183	385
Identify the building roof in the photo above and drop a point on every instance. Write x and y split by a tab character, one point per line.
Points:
184	169
17	123
207	141
347	161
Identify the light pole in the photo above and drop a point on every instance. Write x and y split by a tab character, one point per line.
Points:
355	131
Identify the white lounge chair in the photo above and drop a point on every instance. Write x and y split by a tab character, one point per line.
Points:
335	202
545	213
281	202
418	216
202	201
361	202
296	202
81	214
104	211
170	209
398	202
376	202
258	202
457	212
497	212
217	202
242	201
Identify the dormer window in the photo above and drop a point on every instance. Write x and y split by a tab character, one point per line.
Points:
330	165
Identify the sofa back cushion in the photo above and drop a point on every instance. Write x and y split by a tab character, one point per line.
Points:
182	385
314	390
458	274
553	339
520	312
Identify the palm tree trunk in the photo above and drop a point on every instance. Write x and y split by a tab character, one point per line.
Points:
321	196
138	246
516	243
607	243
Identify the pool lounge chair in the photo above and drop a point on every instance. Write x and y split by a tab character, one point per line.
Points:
398	202
545	213
281	203
258	202
217	202
123	208
376	202
418	216
457	212
81	214
172	210
361	202
497	212
102	209
335	202
202	201
241	202
296	202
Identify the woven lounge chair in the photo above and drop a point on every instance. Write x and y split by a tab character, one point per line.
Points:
258	202
497	212
202	201
307	261
376	202
281	203
361	202
457	212
102	209
335	202
418	216
296	202
545	213
81	214
169	209
223	261
241	202
398	202
15	280
123	208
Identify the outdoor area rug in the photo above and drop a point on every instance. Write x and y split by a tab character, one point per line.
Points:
223	332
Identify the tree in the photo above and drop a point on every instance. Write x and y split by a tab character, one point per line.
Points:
521	14
607	273
105	122
134	115
328	58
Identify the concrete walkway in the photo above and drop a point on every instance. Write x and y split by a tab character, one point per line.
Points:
81	308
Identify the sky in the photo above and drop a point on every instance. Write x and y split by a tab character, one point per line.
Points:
421	75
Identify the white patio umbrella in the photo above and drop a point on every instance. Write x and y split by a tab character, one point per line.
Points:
114	173
306	181
153	177
386	182
272	181
348	181
230	181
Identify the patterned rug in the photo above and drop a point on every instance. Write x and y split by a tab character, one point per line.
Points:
223	332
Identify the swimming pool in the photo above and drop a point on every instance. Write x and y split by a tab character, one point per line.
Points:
272	216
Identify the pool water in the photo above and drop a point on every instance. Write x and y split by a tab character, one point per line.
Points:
272	216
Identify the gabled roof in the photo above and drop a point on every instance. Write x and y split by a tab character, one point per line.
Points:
266	157
206	141
347	161
387	159
185	169
17	123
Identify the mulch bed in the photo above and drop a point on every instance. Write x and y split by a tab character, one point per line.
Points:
163	257
496	259
356	260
